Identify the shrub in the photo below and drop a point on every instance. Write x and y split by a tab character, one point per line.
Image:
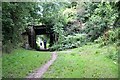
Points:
112	37
8	47
71	41
101	19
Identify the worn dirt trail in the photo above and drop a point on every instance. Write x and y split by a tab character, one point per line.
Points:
39	72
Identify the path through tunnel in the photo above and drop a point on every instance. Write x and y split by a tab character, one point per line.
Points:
43	41
37	33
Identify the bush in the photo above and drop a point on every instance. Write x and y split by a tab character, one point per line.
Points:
112	36
71	41
101	19
8	47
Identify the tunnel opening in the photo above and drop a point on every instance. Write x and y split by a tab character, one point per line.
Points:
39	37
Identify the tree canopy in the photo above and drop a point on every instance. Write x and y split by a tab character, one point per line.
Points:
88	19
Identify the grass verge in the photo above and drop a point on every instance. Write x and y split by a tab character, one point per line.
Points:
21	62
88	61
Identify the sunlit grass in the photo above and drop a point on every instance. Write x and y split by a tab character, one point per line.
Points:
88	61
21	62
67	66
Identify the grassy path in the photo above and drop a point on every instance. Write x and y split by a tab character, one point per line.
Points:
39	72
89	61
21	62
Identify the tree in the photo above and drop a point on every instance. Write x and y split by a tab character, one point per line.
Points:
101	20
15	17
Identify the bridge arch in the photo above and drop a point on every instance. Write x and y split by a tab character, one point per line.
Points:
35	30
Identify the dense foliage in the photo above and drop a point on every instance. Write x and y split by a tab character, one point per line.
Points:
15	17
91	28
100	20
70	41
71	28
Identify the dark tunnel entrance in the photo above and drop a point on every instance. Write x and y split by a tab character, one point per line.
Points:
39	31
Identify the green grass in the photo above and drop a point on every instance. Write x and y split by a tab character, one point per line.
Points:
21	62
67	66
89	61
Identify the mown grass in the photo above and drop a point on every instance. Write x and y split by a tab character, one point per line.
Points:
65	66
21	62
89	61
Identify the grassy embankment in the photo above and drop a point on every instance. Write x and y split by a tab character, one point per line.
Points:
88	61
21	62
